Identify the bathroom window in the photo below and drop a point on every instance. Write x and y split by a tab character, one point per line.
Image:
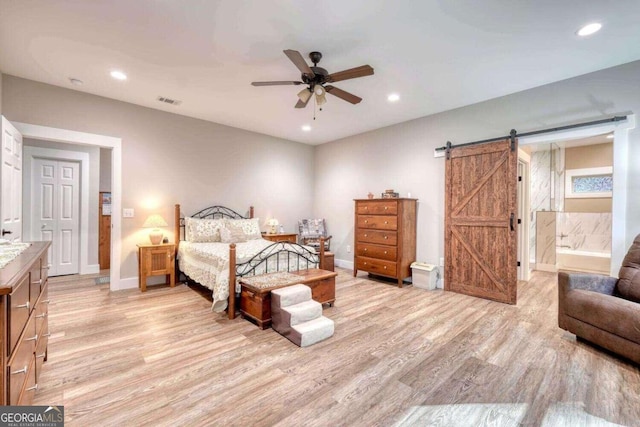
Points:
589	182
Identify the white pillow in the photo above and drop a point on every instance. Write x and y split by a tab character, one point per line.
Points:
240	230
202	230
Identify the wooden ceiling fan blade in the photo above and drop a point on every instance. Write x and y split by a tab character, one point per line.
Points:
299	62
352	73
349	97
275	83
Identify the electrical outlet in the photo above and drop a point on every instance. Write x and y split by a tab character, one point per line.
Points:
442	261
348	249
128	213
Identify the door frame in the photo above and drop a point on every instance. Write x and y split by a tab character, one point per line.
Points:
31	153
82	138
619	239
524	201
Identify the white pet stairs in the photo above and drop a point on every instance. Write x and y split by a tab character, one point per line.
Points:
297	317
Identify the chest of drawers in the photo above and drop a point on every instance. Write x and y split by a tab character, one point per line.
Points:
24	329
385	237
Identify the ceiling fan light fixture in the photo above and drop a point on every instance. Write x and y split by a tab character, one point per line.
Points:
319	91
304	95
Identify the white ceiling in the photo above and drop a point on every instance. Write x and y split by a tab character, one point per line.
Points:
437	55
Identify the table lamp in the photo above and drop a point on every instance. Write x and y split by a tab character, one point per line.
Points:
273	223
155	221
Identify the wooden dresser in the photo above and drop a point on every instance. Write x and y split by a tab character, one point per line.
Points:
24	325
385	237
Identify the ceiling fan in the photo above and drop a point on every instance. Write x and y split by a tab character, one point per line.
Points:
316	78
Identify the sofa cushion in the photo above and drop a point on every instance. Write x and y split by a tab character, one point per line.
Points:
628	286
612	314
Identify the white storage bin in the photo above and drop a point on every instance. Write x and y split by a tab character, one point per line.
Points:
424	276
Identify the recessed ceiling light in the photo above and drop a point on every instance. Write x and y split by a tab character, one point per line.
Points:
589	29
306	128
76	82
118	75
610	136
394	97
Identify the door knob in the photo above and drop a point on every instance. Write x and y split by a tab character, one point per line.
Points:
6	232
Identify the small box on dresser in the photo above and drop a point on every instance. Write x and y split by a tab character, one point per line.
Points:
385	237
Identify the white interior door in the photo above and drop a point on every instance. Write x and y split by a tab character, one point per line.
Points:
55	216
11	182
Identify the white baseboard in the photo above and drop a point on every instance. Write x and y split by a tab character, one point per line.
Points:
344	264
132	282
128	283
90	269
547	267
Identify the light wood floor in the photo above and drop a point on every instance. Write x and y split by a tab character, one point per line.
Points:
398	357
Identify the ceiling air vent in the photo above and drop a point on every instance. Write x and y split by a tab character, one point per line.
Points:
169	100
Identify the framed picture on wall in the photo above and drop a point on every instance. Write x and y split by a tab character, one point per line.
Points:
106	198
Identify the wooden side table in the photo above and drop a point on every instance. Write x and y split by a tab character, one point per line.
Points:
281	237
156	260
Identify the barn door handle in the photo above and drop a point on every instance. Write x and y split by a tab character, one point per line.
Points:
511	221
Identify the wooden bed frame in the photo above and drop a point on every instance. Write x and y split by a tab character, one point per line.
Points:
293	250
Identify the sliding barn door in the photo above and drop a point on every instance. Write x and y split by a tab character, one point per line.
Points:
481	221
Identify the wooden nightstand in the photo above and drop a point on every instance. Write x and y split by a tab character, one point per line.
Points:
156	260
282	237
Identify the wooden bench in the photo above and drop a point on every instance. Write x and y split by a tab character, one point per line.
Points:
255	296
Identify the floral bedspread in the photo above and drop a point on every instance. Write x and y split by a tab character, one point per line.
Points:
208	264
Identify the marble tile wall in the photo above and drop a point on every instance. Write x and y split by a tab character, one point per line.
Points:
547	188
540	193
546	238
584	231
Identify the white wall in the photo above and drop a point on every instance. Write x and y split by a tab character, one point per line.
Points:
168	159
105	169
401	156
94	176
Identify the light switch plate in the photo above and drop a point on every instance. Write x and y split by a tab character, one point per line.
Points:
127	213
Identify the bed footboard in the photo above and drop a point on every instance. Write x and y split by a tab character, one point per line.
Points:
297	258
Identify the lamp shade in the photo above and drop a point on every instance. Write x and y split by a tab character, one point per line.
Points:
155	221
304	95
320	95
273	223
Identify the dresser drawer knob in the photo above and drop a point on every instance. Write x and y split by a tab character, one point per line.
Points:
365	263
37	282
386	237
20	371
41	316
366	221
35	387
365	249
25	305
386	207
385	267
385	252
33	338
386	222
366	235
41	356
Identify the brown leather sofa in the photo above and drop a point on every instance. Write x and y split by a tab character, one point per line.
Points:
602	309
